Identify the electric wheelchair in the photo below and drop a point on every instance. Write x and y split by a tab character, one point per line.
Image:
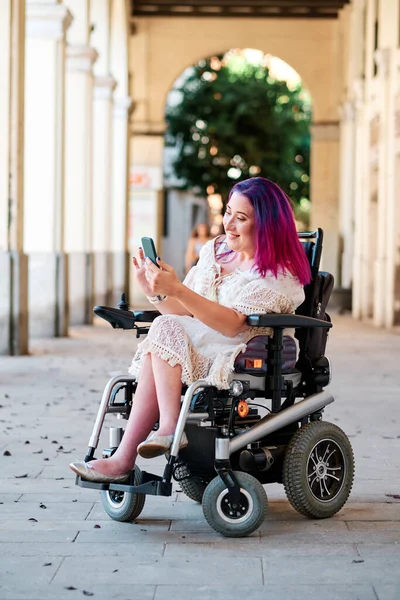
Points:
267	427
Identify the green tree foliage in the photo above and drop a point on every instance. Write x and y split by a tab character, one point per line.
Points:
235	121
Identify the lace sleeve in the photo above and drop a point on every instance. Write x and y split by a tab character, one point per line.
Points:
190	278
256	298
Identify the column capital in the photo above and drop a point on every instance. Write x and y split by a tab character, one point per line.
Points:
104	87
47	21
123	107
80	58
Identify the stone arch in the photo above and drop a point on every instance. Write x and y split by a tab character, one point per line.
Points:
159	42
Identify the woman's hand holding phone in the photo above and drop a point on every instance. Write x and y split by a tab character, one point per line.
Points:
155	277
162	278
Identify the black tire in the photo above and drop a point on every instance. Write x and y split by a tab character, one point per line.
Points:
318	470
221	516
192	487
124	506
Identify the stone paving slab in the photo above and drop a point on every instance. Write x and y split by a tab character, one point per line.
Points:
34	569
299	570
20	511
269	549
268	592
63	549
37	535
60	592
171	571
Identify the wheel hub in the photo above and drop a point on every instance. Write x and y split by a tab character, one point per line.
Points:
235	513
326	470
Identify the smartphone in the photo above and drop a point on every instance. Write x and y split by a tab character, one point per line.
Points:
149	250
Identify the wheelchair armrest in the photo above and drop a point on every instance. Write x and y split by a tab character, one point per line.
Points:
285	321
124	319
118	319
145	316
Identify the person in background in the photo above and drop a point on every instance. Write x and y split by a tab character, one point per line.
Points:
199	236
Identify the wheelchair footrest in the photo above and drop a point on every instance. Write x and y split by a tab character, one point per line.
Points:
152	485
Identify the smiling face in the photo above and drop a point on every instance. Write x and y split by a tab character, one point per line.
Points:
239	224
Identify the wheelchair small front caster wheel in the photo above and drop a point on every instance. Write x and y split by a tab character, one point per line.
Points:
124	506
193	488
240	520
318	470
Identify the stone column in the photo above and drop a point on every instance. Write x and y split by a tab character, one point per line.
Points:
391	226
46	25
380	262
346	194
361	202
120	182
102	187
78	180
13	262
324	189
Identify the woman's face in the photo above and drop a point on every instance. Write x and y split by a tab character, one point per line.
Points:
239	224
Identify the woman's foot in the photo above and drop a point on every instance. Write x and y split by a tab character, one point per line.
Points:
157	444
102	470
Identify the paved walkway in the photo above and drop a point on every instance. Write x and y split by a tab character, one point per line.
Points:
57	542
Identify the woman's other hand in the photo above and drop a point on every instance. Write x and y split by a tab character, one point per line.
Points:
163	280
140	269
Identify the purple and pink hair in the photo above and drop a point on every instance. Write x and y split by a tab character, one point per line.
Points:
278	246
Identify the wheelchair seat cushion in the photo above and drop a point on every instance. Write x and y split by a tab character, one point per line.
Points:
254	359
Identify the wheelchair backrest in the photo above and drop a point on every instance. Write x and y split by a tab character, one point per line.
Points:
312	342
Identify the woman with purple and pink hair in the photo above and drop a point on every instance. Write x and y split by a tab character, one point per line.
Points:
258	266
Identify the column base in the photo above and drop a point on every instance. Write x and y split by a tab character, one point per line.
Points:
341	300
121	265
13	303
111	277
80	286
102	282
48	295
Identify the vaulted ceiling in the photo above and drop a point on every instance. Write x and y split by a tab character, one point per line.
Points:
298	9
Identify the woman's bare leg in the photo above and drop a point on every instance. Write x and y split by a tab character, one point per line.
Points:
144	414
168	385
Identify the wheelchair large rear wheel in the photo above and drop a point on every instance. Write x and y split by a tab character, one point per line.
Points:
318	470
239	520
124	506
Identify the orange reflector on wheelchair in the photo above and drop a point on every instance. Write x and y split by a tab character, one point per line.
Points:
254	363
243	409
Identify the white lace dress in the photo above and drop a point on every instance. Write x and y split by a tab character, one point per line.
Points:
203	352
